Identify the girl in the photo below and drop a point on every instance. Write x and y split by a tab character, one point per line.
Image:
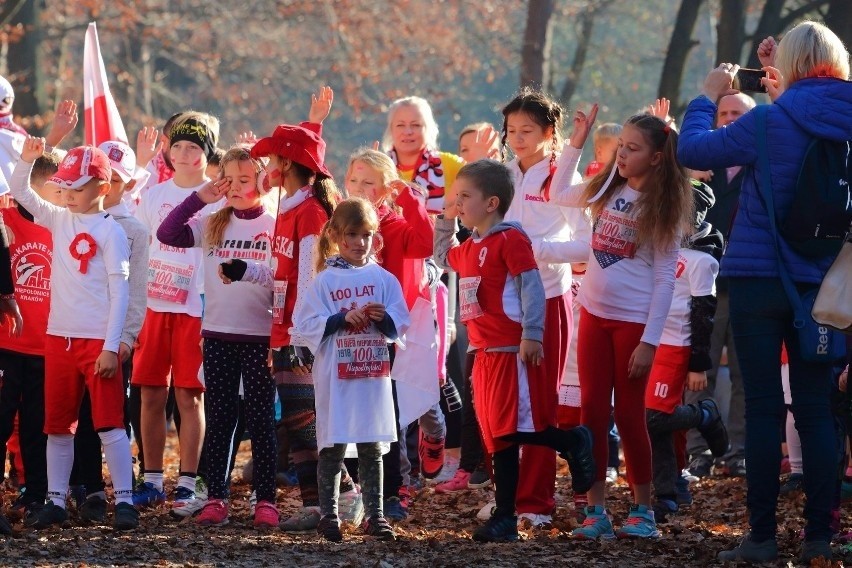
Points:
640	204
295	155
235	328
350	312
532	125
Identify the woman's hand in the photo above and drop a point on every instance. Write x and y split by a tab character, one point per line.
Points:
773	82
719	82
641	360
214	190
766	52
583	126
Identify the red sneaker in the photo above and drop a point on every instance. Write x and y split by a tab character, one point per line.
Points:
431	452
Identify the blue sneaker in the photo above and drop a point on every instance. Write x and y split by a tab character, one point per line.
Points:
663	508
684	496
395	509
498	529
640	523
596	525
146	495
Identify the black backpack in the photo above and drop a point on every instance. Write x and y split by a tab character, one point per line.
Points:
821	211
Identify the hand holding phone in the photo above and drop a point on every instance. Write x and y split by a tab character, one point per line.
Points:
750	80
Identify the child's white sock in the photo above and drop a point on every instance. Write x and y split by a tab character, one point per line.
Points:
187	482
60	460
120	463
155	478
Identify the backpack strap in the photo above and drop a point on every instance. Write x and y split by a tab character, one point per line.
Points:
764	188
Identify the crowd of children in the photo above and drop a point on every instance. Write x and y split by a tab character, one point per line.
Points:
213	284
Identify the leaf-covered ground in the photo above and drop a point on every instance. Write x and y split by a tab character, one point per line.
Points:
437	533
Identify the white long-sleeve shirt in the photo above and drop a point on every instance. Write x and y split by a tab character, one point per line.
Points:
85	306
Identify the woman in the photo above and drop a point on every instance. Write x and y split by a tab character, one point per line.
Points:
813	99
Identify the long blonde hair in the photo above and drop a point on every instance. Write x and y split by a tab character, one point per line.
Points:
665	204
352	213
219	221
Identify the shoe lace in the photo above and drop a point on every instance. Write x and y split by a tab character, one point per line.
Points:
592	520
634	520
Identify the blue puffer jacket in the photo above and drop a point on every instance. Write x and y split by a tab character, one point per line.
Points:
810	108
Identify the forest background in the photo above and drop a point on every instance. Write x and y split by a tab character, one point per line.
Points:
254	63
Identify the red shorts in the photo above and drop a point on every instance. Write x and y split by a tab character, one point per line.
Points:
69	368
510	396
168	346
667	378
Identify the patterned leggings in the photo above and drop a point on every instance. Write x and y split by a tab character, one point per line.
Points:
369	475
225	363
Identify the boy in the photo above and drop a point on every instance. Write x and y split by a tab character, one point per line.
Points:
170	336
87	447
502	302
89	274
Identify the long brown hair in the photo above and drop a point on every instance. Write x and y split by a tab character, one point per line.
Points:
351	213
324	188
665	204
219	221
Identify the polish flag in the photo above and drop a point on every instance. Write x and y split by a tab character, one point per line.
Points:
103	122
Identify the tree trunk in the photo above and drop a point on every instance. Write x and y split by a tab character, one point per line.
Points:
584	38
24	63
535	53
680	44
839	19
730	31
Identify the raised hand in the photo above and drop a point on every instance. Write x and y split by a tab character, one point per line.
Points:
484	145
64	122
583	126
766	52
247	138
148	143
719	82
214	190
33	149
660	108
321	105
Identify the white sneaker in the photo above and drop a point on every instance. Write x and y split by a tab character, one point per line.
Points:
485	513
350	507
186	503
535	520
611	475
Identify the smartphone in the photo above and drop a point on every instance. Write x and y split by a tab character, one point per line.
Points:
749	80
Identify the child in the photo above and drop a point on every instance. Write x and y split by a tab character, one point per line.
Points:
502	302
236	326
474	138
532	124
682	359
640	205
22	358
87	314
605	140
349	313
214	166
168	348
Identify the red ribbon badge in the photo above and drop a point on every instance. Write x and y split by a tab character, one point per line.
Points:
83	248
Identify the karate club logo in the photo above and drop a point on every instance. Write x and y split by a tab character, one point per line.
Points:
32	270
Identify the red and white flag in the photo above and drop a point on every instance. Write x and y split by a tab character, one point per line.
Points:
103	122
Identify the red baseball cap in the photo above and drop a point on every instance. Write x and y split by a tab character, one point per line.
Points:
297	143
80	165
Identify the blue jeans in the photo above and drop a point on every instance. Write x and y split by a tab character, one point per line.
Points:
761	318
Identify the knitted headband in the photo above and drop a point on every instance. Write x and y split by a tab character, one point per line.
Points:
196	132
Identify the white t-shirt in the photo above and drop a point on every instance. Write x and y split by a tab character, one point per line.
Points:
174	279
695	275
352	369
11	145
90	305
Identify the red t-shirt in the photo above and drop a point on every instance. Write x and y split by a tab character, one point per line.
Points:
489	302
304	220
31	251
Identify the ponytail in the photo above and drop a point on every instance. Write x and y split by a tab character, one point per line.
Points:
216	225
326	246
326	193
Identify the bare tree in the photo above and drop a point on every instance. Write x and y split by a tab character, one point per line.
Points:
680	44
839	18
24	57
585	27
774	20
730	31
535	53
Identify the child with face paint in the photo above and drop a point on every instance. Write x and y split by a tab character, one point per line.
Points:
236	327
168	343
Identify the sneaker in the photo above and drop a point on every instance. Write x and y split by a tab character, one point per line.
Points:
431	452
487	511
611	475
186	503
479	479
265	515
146	495
459	482
536	520
581	501
5	526
497	529
287	478
31	513
814	549
793	484
305	520
328	527
750	551
663	508
125	517
213	514
93	510
252	502
640	523
378	527
735	468
51	514
200	488
597	524
406	497
77	493
699	467
350	506
395	509
684	496
713	429
581	462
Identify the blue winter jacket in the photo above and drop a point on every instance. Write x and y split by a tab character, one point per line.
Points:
809	108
